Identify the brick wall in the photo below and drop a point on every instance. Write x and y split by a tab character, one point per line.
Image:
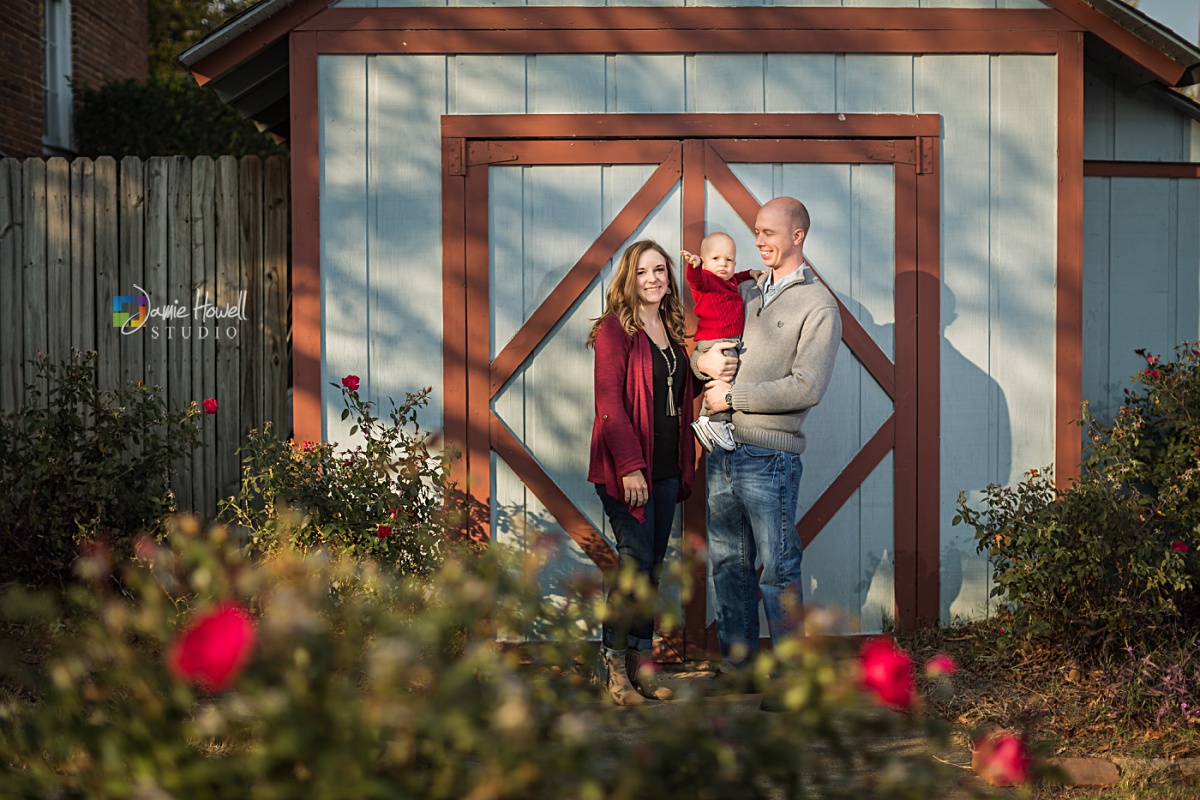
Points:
114	45
21	79
109	43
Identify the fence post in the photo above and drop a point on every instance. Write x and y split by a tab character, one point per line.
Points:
34	269
229	375
12	259
83	254
130	260
277	368
157	285
108	274
180	347
58	259
204	351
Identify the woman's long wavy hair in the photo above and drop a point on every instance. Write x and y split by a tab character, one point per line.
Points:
622	298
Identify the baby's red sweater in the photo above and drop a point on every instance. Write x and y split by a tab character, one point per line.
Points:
719	310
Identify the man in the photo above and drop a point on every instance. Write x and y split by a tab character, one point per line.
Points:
791	337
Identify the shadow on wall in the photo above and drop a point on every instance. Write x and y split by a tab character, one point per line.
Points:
965	575
965	579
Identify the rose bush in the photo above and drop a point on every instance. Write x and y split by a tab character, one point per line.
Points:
1103	568
78	464
321	676
389	497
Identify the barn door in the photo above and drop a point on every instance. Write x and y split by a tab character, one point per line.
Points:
533	230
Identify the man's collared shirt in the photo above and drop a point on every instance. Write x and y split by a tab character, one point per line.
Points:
771	289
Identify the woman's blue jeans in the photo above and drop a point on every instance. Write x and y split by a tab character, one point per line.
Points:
641	546
751	513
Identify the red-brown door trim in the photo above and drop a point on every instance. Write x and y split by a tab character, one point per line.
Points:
771	40
691	126
915	552
1140	169
628	18
581	275
307	413
1068	445
929	376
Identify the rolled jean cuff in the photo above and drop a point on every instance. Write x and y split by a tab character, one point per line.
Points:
638	643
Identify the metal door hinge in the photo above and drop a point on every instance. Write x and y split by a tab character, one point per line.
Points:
454	156
926	163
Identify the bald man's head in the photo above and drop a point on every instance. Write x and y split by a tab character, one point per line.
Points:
797	214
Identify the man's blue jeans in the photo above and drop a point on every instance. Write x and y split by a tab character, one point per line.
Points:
641	546
752	495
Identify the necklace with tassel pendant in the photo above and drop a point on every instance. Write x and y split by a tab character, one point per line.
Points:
672	362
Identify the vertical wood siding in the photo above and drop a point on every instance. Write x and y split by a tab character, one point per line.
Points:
1141	278
1141	238
999	185
1122	123
74	236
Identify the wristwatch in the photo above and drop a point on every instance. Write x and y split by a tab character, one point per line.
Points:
729	399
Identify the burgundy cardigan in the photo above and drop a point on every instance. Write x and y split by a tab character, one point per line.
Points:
623	431
719	310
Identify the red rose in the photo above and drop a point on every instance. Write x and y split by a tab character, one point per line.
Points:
1179	547
210	405
1002	759
213	648
1152	374
888	672
941	664
384	531
350	382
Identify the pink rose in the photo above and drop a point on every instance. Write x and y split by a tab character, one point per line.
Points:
384	531
1002	759
941	664
888	672
210	405
350	382
213	648
1152	374
1179	547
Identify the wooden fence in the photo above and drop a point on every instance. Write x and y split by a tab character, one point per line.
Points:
200	246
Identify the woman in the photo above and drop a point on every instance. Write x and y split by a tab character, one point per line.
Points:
641	462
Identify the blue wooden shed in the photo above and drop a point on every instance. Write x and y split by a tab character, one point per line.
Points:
1005	197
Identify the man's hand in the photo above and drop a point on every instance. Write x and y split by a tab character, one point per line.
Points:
715	364
714	395
636	490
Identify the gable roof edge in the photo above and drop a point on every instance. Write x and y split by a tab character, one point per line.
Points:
1156	48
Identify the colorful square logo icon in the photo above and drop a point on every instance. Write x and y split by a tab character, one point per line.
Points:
124	313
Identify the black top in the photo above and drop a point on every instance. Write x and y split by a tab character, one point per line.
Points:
666	429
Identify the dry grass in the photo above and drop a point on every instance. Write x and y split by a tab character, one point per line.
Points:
1064	709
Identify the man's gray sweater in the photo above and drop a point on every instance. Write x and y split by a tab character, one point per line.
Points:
787	355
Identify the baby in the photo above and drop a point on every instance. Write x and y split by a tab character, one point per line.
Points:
720	317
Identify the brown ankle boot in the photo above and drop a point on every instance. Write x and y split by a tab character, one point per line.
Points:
618	684
643	673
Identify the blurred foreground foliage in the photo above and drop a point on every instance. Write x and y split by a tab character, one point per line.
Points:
363	683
